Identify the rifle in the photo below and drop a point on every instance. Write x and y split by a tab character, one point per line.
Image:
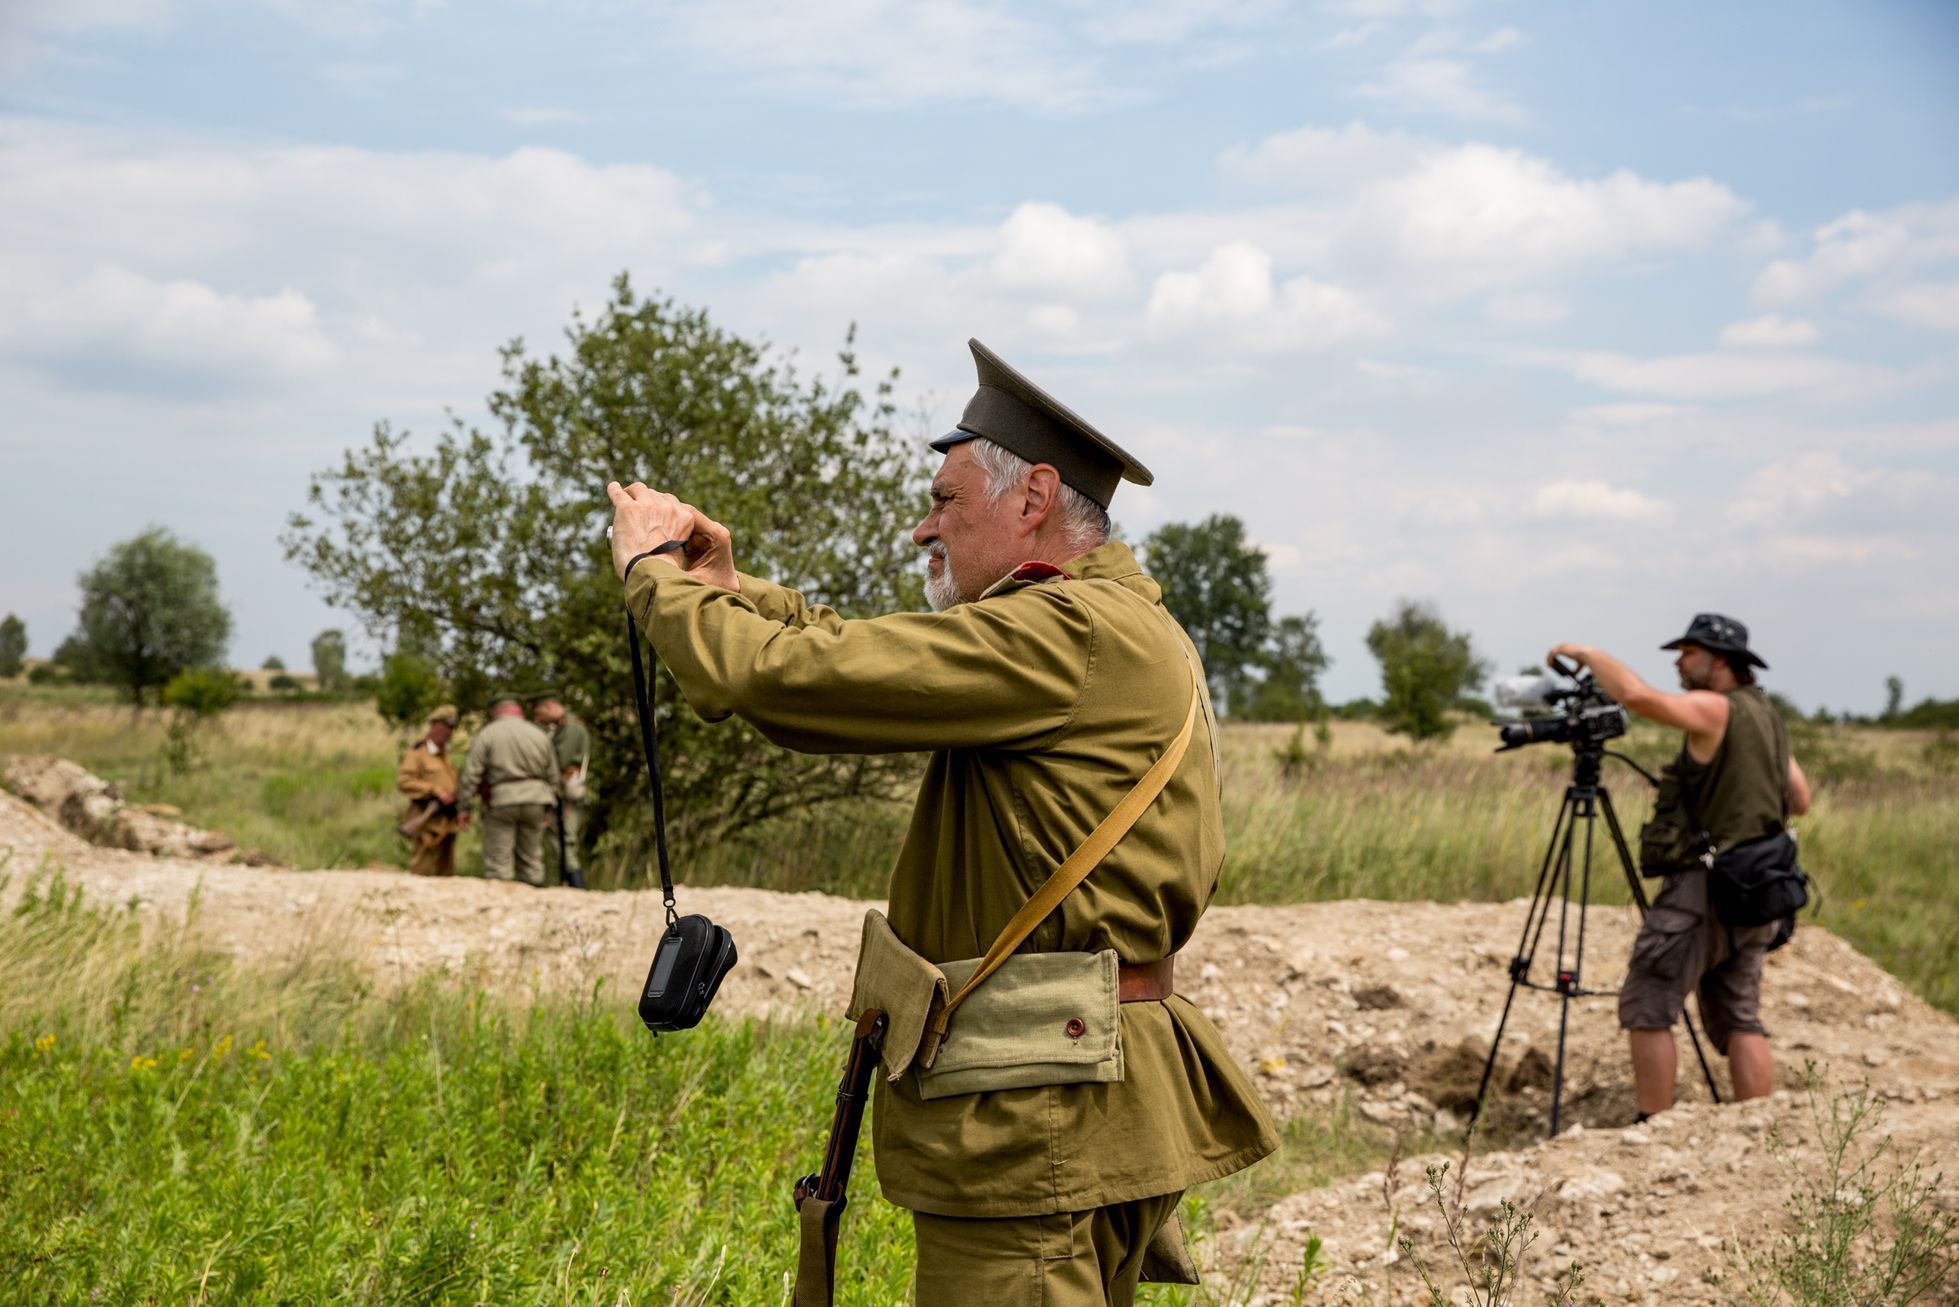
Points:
820	1198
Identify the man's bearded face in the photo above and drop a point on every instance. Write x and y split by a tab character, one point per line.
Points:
1696	667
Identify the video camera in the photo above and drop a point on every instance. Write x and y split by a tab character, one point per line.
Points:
1579	714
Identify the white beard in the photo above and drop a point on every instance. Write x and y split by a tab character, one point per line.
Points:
941	591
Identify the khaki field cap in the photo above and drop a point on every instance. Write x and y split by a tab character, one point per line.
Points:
444	713
1020	417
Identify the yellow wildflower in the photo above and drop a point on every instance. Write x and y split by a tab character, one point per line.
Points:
141	1063
224	1047
45	1044
258	1051
184	1055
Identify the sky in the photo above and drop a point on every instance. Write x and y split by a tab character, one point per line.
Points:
1572	318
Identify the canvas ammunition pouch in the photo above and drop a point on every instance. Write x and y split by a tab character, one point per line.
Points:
1040	1019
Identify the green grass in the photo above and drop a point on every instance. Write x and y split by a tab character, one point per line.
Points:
175	1130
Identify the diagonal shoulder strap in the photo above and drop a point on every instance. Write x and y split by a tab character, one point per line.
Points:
1074	870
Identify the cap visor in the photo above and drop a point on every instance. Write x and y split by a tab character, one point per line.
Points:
956	436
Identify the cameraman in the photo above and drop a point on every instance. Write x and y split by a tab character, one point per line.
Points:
1730	763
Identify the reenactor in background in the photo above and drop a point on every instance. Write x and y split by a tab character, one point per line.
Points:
1736	779
1044	687
573	744
428	778
514	773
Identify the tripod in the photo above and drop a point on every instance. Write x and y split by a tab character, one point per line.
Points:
1584	799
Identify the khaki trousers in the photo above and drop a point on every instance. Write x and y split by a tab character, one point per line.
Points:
1069	1259
435	855
574	823
513	841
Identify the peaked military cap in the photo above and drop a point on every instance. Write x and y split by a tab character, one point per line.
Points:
1020	417
1721	634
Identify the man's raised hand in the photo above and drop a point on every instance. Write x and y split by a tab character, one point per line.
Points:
644	518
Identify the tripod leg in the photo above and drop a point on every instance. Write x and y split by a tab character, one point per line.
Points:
1639	898
1521	962
1581	810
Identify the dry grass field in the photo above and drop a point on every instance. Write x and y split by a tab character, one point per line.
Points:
1362	816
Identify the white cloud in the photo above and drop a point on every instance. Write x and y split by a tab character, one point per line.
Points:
886	52
1855	245
1587	501
1321	158
1526	309
1838	550
1629	415
1233	292
1044	247
1491	214
173	333
1445	86
1924	304
1863	246
1727	376
1498	41
1802	485
1770	332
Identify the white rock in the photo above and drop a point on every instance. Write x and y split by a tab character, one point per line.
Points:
799	978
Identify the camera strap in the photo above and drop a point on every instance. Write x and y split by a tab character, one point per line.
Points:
649	739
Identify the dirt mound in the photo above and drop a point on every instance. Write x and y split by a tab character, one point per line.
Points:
1387	1007
95	810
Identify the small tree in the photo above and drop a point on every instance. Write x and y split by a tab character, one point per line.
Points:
149	610
1215	583
1894	698
330	658
273	664
13	644
198	694
409	687
1425	668
486	551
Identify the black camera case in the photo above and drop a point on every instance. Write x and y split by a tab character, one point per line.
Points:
688	966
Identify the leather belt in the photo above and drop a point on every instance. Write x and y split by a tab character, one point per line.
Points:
1146	982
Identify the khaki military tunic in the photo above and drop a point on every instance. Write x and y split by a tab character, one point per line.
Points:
1041	705
426	771
513	765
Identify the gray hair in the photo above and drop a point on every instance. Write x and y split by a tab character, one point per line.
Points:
1084	523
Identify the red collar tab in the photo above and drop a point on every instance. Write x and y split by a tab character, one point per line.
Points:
1039	572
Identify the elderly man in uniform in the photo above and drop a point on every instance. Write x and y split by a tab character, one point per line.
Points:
1737	772
512	768
1047	681
428	778
572	742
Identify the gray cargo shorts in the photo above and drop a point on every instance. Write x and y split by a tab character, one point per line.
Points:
1682	947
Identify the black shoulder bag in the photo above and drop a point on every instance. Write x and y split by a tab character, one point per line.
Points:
1756	882
694	953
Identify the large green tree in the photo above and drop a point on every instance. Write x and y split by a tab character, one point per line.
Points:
487	552
149	610
1288	686
13	644
1215	583
1425	668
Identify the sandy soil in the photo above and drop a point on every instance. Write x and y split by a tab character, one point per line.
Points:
1392	1004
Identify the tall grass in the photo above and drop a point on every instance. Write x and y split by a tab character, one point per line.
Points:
174	1129
1365	817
